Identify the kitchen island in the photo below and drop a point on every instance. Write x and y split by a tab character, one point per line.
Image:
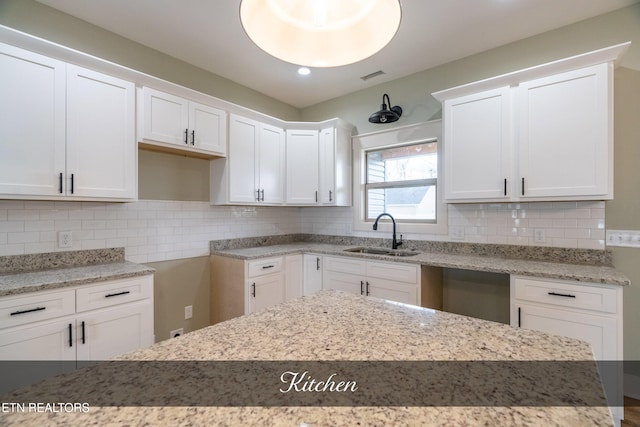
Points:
328	326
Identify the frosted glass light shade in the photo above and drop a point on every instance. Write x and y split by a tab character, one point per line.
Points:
320	33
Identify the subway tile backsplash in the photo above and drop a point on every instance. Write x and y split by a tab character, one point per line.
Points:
163	230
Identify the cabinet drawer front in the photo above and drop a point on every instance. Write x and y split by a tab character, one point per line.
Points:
345	265
114	293
566	294
20	310
260	267
393	271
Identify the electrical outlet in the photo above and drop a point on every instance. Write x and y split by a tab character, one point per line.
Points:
188	312
176	333
539	235
65	239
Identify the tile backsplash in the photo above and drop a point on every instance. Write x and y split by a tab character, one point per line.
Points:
163	230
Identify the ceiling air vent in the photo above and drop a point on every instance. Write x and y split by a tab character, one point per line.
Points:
372	75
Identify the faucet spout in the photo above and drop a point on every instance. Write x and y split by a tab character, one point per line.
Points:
394	243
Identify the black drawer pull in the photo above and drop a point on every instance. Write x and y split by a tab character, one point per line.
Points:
116	294
83	333
253	290
561	295
27	311
70	335
264	267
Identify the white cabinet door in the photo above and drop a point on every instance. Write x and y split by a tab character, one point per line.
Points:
312	273
101	145
104	334
47	340
390	290
293	277
271	164
32	123
343	282
327	165
166	117
243	136
477	135
564	133
265	291
302	167
207	128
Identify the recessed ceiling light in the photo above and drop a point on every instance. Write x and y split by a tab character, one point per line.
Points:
320	33
304	71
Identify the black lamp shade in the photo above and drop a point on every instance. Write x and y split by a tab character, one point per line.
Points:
386	115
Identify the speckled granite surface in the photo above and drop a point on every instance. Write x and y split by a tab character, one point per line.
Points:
38	272
551	270
333	326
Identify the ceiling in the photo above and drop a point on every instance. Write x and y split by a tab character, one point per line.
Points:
208	34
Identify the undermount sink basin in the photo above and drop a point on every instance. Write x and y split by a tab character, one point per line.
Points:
381	251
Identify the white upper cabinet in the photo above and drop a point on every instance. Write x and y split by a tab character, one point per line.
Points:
302	167
253	173
335	166
101	149
478	145
173	123
543	133
67	132
565	136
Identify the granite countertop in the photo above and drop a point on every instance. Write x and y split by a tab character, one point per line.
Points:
30	273
328	326
545	269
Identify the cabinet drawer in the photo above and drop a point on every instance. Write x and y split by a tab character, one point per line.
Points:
260	267
565	294
113	293
393	271
345	265
19	310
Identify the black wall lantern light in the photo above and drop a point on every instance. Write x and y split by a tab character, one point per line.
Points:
386	115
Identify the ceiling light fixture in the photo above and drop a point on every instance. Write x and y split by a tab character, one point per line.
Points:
304	71
386	115
320	33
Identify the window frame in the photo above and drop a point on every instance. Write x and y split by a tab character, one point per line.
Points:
396	137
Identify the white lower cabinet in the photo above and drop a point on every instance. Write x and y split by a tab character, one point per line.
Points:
584	311
312	281
399	282
85	323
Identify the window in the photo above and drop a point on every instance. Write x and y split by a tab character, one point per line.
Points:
396	170
402	181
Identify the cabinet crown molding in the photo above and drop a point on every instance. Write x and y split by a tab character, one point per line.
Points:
611	54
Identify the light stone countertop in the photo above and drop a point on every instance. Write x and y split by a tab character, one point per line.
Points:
327	326
49	279
544	269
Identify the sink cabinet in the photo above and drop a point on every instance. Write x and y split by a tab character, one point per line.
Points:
84	323
395	281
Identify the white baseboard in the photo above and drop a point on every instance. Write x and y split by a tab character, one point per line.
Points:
632	386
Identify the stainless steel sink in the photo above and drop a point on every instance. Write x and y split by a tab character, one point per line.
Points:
381	251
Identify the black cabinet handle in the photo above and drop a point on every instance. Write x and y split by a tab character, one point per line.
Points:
519	317
316	197
15	313
561	295
523	186
258	195
117	293
505	186
262	192
361	287
253	290
330	196
264	267
193	137
318	263
72	182
60	183
83	333
70	335
186	136
367	288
